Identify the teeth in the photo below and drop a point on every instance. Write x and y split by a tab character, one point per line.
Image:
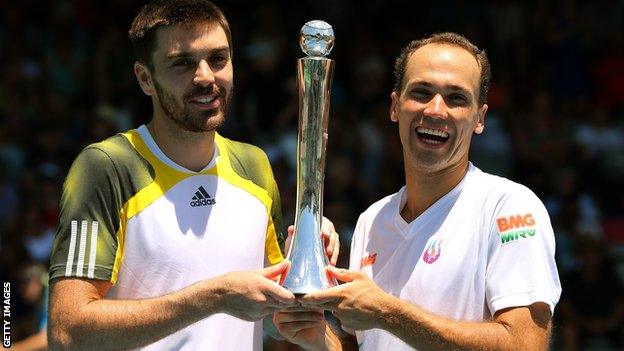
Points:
206	100
435	132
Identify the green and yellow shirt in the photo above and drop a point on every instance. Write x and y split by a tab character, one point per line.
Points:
131	216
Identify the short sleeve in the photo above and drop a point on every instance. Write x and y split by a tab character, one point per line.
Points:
85	245
521	267
355	257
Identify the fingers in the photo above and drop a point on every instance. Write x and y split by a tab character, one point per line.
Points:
300	327
283	296
335	243
331	240
320	298
327	225
299	308
274	271
344	275
290	232
293	327
299	317
274	290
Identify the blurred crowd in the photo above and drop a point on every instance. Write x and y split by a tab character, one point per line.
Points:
555	122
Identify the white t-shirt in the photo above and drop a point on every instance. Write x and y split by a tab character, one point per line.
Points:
486	245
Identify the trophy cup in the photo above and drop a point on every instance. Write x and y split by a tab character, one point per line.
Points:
314	72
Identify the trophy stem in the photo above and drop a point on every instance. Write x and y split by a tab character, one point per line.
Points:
306	253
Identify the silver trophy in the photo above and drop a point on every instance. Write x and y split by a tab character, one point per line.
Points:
314	73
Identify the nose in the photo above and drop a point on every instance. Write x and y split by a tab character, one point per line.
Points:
204	76
436	107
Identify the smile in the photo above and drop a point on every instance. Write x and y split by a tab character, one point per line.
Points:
432	136
206	101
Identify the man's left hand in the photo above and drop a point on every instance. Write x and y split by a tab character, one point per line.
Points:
358	303
330	238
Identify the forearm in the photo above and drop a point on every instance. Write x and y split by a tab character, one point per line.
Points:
125	324
426	331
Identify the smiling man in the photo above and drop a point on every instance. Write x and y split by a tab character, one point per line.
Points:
164	231
456	259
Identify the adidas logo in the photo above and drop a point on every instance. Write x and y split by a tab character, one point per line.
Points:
202	198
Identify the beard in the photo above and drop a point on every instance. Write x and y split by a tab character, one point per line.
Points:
194	121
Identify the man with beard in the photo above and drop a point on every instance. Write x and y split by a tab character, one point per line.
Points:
164	230
458	259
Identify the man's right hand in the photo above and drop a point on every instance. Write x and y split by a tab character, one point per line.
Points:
304	327
254	295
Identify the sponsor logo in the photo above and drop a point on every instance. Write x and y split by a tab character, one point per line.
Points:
512	228
433	252
368	260
512	236
202	198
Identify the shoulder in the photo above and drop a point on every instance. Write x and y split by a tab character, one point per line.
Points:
243	151
111	162
382	207
248	160
115	150
497	190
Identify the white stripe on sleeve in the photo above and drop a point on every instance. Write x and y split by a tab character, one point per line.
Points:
72	248
93	249
83	247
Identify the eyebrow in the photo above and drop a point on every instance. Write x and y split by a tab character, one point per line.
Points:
185	54
448	86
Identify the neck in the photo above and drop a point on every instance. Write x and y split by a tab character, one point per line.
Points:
193	151
424	188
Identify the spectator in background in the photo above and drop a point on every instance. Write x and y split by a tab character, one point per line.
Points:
599	135
592	303
33	291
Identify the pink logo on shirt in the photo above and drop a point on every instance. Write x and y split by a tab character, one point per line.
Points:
433	252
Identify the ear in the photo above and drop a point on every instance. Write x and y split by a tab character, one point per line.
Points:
393	106
481	119
144	76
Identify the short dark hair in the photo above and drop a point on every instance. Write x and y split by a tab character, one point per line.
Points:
449	39
159	13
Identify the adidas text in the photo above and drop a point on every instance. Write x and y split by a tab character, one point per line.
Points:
203	202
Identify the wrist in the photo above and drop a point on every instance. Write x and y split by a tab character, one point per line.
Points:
389	312
206	298
216	297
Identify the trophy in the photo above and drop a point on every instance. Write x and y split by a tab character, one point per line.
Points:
314	72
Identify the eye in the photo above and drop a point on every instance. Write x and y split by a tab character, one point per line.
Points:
421	94
183	62
219	60
457	99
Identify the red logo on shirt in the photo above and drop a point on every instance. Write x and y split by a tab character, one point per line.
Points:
368	260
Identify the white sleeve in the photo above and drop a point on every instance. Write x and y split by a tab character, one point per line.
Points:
357	244
521	266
